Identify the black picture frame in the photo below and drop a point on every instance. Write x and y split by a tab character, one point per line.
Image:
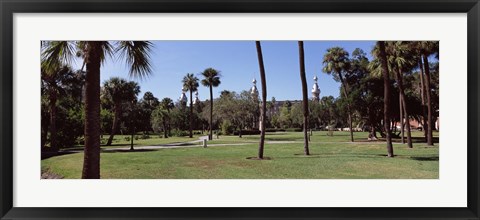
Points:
9	7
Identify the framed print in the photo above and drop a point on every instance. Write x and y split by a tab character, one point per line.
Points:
230	109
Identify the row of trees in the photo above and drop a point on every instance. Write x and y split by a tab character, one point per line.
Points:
360	82
359	77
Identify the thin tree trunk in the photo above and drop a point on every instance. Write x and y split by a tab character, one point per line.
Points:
132	122
264	99
429	101
345	93
386	98
401	118
165	127
131	140
116	122
404	109
91	161
210	135
53	119
422	93
191	115
305	97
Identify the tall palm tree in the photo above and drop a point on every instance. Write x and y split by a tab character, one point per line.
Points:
422	94
53	78
119	91
136	55
264	99
167	104
426	49
190	83
211	79
336	62
401	58
305	97
382	56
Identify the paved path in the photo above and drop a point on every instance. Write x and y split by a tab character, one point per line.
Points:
199	143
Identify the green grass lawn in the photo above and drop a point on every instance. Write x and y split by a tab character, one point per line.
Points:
332	157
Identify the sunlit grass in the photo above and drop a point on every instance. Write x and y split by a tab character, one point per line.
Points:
332	157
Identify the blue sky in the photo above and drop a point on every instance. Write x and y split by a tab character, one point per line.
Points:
237	61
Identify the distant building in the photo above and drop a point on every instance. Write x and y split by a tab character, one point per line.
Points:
183	98
315	90
197	100
254	90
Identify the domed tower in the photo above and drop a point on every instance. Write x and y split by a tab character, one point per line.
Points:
254	90
315	90
183	98
196	101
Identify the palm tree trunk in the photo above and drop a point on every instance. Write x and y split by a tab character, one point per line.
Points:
191	115
345	93
386	98
210	135
91	161
305	97
401	118
165	127
422	93
404	109
116	122
53	117
264	99
429	101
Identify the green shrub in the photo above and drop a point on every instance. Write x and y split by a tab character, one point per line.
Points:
179	133
227	127
127	138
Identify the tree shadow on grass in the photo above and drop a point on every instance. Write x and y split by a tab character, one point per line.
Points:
353	155
434	158
414	139
46	155
127	150
175	144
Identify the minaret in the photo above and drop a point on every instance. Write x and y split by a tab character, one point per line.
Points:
315	90
183	98
254	90
196	101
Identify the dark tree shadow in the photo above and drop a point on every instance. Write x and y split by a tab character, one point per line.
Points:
127	150
434	158
176	144
46	155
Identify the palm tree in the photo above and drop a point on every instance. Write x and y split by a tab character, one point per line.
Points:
190	83
336	62
118	91
402	58
160	115
381	54
426	49
211	79
53	78
305	97
264	99
136	54
167	104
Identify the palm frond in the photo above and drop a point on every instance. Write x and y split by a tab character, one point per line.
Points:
56	54
137	57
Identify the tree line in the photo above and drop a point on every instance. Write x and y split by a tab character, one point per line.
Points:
76	108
